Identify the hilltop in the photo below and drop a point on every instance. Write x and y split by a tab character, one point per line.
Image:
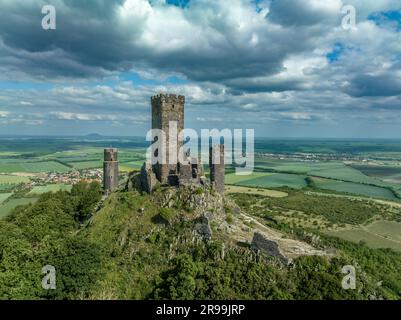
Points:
176	243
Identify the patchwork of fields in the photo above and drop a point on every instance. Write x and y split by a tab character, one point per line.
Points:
326	169
61	156
32	167
327	175
379	181
12	179
268	180
355	188
65	161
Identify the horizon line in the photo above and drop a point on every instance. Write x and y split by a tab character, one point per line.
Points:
137	136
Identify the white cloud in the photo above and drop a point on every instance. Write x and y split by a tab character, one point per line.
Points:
4	114
235	62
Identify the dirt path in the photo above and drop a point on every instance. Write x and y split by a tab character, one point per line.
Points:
290	248
257	191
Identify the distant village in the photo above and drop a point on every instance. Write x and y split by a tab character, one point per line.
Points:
67	178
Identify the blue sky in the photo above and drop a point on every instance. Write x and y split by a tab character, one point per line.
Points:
286	68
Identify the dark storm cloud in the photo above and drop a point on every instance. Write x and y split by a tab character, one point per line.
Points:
210	42
375	85
85	43
237	62
304	13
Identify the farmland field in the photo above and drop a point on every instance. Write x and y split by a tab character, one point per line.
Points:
382	234
388	229
133	164
268	180
4	196
391	174
327	169
295	166
7	207
33	167
378	171
11	179
49	188
87	164
355	188
7	187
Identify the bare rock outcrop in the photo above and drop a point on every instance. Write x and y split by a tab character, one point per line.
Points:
202	227
261	244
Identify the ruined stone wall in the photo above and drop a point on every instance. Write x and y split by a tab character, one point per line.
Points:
185	176
110	170
166	108
148	178
216	165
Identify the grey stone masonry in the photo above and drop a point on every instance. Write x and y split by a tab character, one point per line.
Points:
168	108
110	170
216	165
148	178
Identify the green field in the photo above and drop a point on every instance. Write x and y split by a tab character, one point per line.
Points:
268	180
7	207
50	188
7	187
5	154
327	169
32	167
87	164
232	178
382	234
4	196
133	164
388	173
355	188
295	166
387	229
11	179
377	170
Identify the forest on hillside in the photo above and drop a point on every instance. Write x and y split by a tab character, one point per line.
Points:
125	253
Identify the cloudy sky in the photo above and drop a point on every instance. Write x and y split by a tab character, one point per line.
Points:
287	68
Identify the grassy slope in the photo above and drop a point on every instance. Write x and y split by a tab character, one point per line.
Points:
4	196
117	222
379	234
6	208
49	188
136	252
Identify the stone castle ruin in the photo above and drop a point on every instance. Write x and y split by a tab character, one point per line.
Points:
168	109
110	170
208	206
216	165
174	170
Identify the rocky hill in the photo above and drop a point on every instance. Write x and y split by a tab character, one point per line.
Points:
176	243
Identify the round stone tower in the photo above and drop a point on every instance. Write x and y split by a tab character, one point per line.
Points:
110	170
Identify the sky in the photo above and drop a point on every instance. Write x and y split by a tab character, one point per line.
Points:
285	68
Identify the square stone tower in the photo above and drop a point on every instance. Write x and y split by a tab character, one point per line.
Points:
216	166
110	170
168	108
